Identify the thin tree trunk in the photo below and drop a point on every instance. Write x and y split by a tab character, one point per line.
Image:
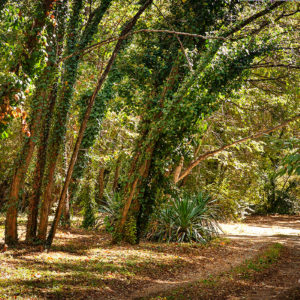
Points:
132	190
39	170
66	212
178	169
44	213
117	174
101	184
11	231
100	82
66	222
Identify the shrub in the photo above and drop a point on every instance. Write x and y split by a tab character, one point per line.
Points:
111	209
186	219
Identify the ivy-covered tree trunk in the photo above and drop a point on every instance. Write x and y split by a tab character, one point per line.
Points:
141	163
93	128
196	94
68	80
49	84
139	171
127	29
117	174
11	235
38	172
24	64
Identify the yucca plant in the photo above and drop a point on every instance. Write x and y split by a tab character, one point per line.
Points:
111	210
186	219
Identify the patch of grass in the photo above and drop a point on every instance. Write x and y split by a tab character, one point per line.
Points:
259	264
214	285
210	281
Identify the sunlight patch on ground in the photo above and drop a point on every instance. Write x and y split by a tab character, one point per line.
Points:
252	230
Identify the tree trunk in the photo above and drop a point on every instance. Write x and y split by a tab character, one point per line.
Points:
116	175
100	82
178	170
69	78
101	184
44	213
27	152
66	221
11	232
39	169
132	190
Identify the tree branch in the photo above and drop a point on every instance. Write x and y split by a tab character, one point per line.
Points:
204	156
116	38
266	65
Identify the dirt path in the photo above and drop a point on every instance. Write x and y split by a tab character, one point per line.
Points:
85	265
282	281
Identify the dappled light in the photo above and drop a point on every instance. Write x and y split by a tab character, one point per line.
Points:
149	149
85	263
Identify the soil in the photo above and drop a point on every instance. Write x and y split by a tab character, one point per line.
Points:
280	281
85	265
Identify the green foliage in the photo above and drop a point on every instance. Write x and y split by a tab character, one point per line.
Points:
279	197
161	98
87	202
130	231
186	219
260	263
111	209
291	162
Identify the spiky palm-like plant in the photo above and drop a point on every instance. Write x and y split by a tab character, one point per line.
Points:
186	219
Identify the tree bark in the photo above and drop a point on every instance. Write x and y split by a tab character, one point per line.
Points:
66	213
117	174
11	231
101	184
44	213
132	190
69	78
100	82
39	170
178	170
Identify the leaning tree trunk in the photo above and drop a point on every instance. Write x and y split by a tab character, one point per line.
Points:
127	228
129	26
74	44
117	175
47	114
39	170
11	233
101	184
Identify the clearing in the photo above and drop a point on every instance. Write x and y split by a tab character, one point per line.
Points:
246	263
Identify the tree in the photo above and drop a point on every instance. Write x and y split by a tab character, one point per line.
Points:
219	70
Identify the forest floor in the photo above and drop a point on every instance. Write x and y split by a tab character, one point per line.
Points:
256	259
